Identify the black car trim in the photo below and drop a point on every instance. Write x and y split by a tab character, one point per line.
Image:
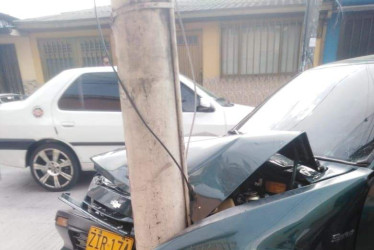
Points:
65	197
16	144
97	143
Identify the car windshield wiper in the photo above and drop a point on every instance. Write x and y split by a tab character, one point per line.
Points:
234	132
359	164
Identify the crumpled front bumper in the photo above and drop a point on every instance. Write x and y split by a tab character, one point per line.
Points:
80	219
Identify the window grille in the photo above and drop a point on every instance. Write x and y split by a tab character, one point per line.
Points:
61	54
260	47
93	51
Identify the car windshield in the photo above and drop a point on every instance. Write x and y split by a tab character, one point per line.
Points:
334	105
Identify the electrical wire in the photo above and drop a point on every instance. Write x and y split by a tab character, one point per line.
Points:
192	74
340	12
122	85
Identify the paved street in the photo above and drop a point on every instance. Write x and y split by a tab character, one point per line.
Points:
27	211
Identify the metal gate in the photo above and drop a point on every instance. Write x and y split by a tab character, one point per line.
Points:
357	35
194	43
10	76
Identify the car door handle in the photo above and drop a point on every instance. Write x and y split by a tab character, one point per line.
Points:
68	124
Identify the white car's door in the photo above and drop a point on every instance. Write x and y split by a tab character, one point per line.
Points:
208	121
87	115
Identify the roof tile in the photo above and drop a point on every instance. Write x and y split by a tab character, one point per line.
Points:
184	6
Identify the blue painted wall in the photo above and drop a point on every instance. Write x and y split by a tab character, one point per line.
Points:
332	39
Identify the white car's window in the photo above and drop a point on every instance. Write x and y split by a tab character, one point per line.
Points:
92	92
188	99
99	92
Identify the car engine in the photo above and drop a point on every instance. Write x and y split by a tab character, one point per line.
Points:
274	177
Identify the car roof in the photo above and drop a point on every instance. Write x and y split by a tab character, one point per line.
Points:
351	61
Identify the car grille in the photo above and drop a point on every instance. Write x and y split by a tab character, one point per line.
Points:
107	211
79	239
108	215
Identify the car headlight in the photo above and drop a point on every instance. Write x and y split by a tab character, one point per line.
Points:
61	221
99	180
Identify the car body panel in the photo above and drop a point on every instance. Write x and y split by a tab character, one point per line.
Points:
305	218
365	231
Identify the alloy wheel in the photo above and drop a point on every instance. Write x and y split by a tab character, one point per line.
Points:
53	168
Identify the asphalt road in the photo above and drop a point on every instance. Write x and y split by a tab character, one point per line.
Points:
27	211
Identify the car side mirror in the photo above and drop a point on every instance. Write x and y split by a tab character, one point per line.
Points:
205	105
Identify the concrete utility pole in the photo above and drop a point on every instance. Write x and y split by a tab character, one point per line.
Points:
311	21
144	35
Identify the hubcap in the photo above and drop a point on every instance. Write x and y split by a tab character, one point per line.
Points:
53	168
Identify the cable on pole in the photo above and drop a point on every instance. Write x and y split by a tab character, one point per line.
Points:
192	73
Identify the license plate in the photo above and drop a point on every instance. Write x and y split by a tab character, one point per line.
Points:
105	240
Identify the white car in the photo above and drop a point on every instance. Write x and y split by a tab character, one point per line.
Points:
77	114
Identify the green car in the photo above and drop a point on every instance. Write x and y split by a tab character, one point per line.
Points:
296	173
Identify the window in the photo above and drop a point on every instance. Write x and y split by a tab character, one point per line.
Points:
61	54
357	35
261	47
100	92
92	92
188	97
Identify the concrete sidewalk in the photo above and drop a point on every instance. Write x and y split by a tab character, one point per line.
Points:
27	211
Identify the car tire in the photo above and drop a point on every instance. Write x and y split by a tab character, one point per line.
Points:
54	167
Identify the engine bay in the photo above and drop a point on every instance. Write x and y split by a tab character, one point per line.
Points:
275	176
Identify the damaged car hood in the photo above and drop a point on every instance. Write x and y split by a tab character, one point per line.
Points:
217	167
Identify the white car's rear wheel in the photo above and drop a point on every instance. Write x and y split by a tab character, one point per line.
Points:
54	167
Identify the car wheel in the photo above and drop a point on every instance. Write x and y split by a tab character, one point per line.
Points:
54	167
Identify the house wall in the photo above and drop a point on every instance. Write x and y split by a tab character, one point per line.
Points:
25	59
249	90
332	39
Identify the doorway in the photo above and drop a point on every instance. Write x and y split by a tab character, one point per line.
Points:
10	76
